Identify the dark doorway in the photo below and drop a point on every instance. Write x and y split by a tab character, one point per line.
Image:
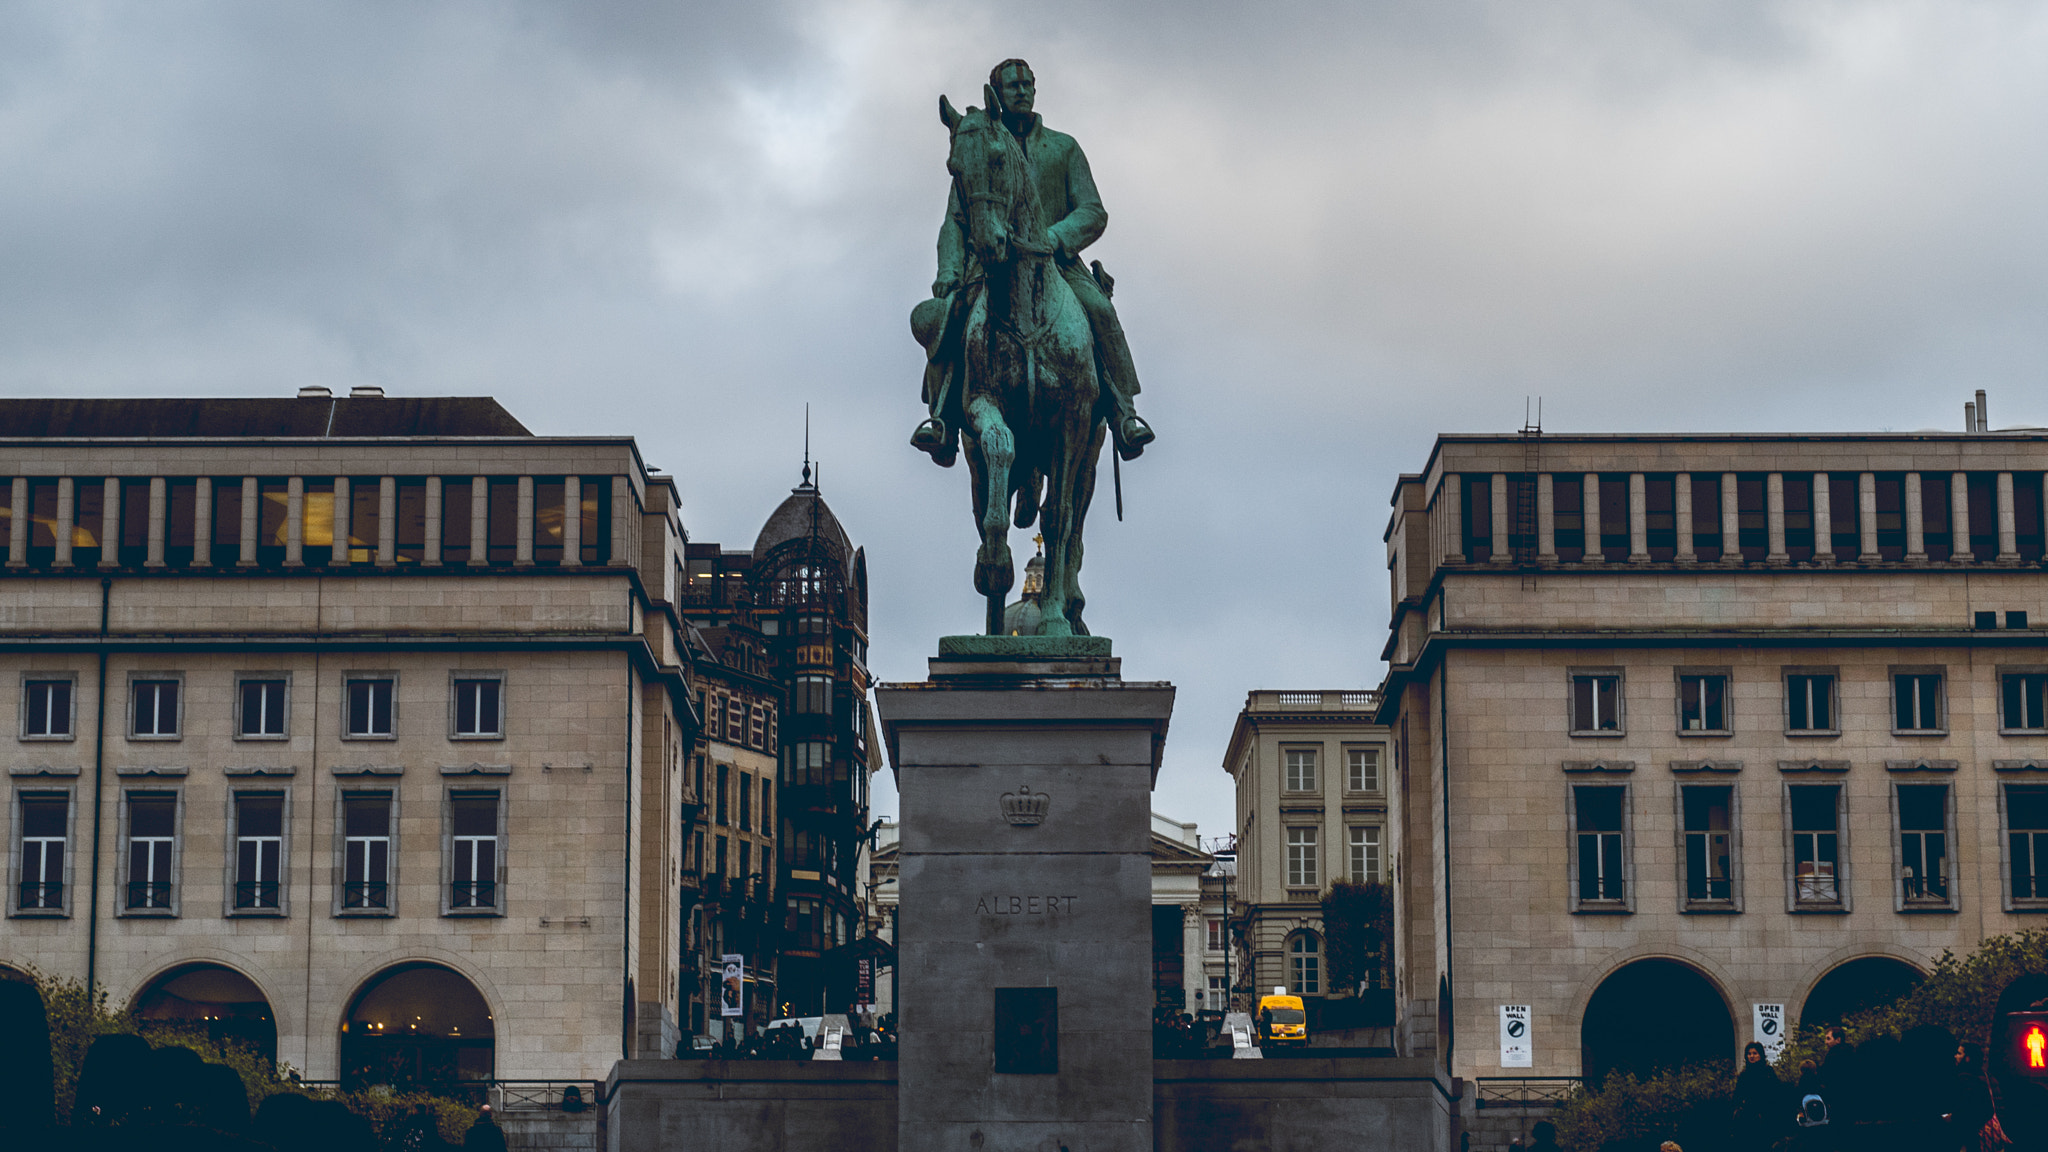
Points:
224	1003
1168	964
1859	984
1654	1014
418	1025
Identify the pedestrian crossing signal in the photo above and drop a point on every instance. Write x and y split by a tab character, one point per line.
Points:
2026	1046
2035	1042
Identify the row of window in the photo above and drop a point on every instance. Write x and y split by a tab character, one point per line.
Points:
1811	701
1304	855
271	521
152	856
1303	769
735	720
262	706
730	784
1816	823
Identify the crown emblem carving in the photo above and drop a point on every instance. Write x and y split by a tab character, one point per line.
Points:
1025	808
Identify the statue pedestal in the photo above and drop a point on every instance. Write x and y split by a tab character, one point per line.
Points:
1024	933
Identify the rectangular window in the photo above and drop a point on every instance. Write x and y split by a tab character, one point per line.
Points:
1596	703
1816	845
1601	858
1660	518
2026	828
368	709
501	523
757	727
812	695
1476	513
596	534
46	709
365	502
1613	523
1845	513
747	859
455	522
44	820
1916	702
1703	703
1922	812
153	714
366	851
479	711
1365	855
152	836
409	540
735	721
1568	518
549	496
2021	700
1809	702
226	545
1362	769
1215	937
1706	516
1709	844
767	813
809	763
746	802
724	775
473	876
718	852
1302	870
259	851
260	708
1301	769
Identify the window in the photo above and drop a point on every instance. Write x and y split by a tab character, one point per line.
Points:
1596	703
1916	701
152	837
1922	812
1301	858
1216	936
40	883
746	860
261	709
757	728
1305	964
46	709
369	707
1600	857
1703	703
735	721
1365	855
2026	827
1362	769
809	763
767	823
1217	992
473	876
1816	846
259	851
746	802
1809	702
479	708
1708	813
724	774
153	714
366	851
719	851
1301	769
812	694
2021	702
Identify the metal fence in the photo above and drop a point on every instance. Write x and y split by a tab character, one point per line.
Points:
1523	1091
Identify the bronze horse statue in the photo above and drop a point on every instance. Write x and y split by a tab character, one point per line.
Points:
1031	398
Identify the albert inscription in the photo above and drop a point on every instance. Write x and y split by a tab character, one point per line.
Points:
996	904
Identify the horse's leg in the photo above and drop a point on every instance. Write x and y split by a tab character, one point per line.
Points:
1091	437
993	574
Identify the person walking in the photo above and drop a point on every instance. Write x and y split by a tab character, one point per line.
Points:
1969	1105
1759	1099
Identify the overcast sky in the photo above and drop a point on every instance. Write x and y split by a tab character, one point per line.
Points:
1337	228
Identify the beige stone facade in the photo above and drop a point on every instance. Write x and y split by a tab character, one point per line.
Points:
336	741
1314	805
1752	708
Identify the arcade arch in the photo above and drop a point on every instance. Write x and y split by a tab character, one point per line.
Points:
417	1024
1855	985
226	1003
1654	1013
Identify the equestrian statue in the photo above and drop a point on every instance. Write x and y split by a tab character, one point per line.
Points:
1026	365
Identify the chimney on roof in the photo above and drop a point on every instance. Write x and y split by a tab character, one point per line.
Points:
1983	412
1969	416
314	392
366	391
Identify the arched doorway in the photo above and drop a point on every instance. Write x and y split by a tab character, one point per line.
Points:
1856	985
1654	1014
417	1024
227	1004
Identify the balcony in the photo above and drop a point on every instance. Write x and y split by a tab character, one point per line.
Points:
1338	701
256	894
39	895
149	894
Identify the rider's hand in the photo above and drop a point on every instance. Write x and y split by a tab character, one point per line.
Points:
944	287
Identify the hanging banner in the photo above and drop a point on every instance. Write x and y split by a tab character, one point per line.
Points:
1516	1051
1769	1029
732	985
864	981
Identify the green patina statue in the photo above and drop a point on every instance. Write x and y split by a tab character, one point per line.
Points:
1026	362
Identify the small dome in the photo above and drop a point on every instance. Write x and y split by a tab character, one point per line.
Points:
801	517
1023	616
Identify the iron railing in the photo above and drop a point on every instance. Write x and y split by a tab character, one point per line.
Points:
365	894
1523	1091
41	894
256	893
473	894
570	1096
149	894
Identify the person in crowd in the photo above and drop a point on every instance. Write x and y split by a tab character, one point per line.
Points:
1969	1105
1759	1099
484	1134
1543	1137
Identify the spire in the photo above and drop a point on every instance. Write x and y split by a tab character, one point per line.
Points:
807	447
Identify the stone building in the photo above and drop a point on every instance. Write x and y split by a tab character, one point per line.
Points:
352	725
1313	804
1688	724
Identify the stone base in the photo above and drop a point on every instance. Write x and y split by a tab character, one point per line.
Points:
1026	647
1022	658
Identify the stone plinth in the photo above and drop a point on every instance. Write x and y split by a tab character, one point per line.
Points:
1026	775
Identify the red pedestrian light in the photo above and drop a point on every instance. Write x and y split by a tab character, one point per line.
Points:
2037	1047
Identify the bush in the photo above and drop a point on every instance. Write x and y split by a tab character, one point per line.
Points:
1689	1105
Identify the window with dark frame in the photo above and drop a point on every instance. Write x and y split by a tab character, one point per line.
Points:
1809	702
1923	843
1365	854
366	851
1302	862
152	836
1596	702
1816	844
2026	827
812	695
43	836
2021	701
369	707
1916	701
46	709
473	825
1709	843
262	709
1703	703
724	778
746	802
1600	848
1362	769
1301	769
153	711
259	850
478	707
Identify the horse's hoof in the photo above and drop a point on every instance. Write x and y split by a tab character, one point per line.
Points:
994	578
1027	508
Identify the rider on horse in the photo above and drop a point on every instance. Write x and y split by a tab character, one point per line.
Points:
1072	216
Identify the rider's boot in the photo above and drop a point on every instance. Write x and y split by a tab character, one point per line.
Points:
935	439
1132	434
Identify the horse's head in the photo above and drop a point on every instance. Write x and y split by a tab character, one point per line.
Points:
990	176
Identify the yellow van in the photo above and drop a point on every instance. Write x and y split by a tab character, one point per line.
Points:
1282	1019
